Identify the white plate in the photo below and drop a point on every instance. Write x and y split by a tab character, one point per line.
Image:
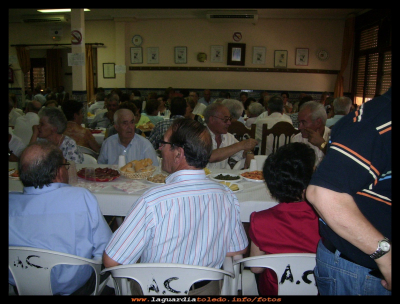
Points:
12	177
240	187
254	180
212	176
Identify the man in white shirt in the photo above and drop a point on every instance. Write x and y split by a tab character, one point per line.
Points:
98	104
225	145
341	107
275	114
312	119
200	107
13	114
23	124
206	100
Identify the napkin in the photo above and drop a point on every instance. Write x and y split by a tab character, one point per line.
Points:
130	187
92	186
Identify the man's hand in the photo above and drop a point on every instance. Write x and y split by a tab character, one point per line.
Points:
249	144
314	138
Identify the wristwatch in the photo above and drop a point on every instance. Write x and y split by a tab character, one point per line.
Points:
383	248
324	144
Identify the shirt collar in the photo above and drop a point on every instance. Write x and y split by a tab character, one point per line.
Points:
184	175
49	188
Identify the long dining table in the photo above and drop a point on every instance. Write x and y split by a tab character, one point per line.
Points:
116	197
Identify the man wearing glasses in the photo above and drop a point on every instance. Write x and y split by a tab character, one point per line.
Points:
50	214
225	145
190	220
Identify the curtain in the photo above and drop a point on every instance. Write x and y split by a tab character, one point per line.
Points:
53	68
23	58
348	42
89	73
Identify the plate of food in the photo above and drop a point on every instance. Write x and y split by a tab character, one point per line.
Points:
138	169
233	186
253	176
225	177
102	174
157	178
13	174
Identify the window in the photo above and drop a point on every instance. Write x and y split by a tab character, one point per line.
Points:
36	75
372	56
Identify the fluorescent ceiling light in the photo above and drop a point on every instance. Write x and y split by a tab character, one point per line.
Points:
59	10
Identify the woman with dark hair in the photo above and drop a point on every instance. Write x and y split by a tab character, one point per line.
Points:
73	111
292	225
152	109
52	125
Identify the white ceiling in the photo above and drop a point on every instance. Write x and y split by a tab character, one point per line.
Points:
15	15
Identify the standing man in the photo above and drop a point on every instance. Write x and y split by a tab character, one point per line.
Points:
225	145
351	191
50	214
312	118
199	107
181	221
126	142
206	99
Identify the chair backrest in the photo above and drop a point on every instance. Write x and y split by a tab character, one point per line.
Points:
238	130
277	130
295	271
161	279
31	268
88	159
89	151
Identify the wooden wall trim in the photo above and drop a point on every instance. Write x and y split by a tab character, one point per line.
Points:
231	69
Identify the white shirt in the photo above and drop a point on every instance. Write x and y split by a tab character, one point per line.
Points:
227	140
94	107
271	120
12	117
23	126
16	145
199	108
318	153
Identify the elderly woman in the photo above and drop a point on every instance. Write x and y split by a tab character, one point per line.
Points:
73	111
52	125
236	109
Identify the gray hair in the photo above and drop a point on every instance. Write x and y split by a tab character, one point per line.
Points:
342	105
119	113
317	110
56	118
211	110
256	108
234	106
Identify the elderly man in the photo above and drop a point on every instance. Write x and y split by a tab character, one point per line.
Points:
225	145
275	114
312	118
341	107
199	107
206	99
126	142
106	119
23	124
50	214
188	199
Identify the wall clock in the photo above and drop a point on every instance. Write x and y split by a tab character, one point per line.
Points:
322	55
137	40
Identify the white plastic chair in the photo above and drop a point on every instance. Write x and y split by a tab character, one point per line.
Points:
295	272
162	279
31	268
88	151
88	159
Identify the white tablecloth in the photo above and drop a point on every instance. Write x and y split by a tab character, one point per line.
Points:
112	201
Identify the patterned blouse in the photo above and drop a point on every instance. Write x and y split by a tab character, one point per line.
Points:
70	150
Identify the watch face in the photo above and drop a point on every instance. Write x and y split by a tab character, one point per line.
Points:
385	246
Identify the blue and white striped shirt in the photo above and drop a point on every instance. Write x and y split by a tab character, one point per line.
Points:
189	220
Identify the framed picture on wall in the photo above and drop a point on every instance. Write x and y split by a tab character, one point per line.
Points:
280	59
108	70
301	56
258	55
236	53
152	55
180	54
136	55
217	53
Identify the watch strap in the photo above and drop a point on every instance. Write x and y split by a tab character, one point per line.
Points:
379	252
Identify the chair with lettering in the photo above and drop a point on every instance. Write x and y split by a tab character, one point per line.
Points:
278	129
295	272
31	268
163	279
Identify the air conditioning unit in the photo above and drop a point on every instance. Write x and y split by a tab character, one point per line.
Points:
249	16
45	19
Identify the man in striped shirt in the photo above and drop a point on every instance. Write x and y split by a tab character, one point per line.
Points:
189	220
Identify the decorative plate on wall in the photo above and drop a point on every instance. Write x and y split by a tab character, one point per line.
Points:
137	40
322	55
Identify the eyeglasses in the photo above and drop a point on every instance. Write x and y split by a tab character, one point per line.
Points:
162	143
225	119
66	165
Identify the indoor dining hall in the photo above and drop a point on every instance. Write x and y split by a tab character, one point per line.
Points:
200	152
